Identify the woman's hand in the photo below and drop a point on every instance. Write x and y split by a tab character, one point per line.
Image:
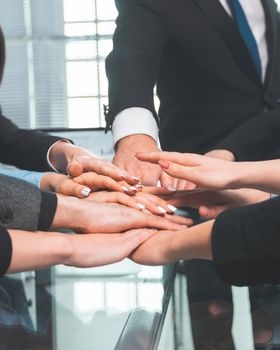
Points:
37	250
102	249
144	201
89	217
167	246
206	172
81	186
75	161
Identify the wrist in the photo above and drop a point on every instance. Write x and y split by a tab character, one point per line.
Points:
60	154
136	143
69	214
193	243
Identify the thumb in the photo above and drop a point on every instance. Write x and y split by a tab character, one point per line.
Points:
74	168
212	211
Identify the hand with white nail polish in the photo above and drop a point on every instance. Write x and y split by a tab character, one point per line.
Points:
142	201
63	184
81	186
86	216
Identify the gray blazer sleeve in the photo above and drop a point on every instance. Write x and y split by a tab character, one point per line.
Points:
24	206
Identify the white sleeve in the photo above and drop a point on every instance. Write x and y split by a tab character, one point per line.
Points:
134	120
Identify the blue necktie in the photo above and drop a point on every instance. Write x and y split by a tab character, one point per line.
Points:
246	32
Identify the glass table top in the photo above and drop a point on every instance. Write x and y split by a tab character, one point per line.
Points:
66	308
125	306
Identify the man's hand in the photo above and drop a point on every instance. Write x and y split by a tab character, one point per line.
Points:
149	174
89	217
76	160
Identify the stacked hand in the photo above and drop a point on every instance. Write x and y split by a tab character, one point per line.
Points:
89	217
207	173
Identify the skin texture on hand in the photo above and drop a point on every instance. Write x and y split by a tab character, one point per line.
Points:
205	172
89	217
126	148
75	161
167	247
211	203
216	174
221	154
37	250
141	201
82	185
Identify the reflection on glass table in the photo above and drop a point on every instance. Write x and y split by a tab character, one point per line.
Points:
126	306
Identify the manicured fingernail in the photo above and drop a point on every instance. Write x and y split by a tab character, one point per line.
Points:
133	189
122	175
172	208
164	165
171	188
125	189
161	210
139	186
141	206
135	178
85	192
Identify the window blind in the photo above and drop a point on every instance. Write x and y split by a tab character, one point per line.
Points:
55	73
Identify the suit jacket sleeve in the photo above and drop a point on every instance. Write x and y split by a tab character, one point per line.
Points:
25	149
24	206
5	250
132	67
246	244
257	139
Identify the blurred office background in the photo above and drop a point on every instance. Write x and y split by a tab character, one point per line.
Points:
55	80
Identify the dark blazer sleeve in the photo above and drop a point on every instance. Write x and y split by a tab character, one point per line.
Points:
246	244
23	206
132	67
5	251
257	139
25	149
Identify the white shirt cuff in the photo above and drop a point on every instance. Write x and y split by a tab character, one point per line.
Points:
134	120
49	151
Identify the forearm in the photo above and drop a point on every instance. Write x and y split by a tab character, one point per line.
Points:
17	144
263	176
170	246
69	214
37	250
193	243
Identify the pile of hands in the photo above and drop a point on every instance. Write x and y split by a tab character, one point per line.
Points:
125	215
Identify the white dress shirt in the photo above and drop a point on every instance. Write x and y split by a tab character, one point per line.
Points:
143	120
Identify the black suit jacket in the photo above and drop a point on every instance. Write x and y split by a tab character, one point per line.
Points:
205	77
24	149
245	244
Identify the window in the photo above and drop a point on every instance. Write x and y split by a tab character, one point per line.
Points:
55	75
55	72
